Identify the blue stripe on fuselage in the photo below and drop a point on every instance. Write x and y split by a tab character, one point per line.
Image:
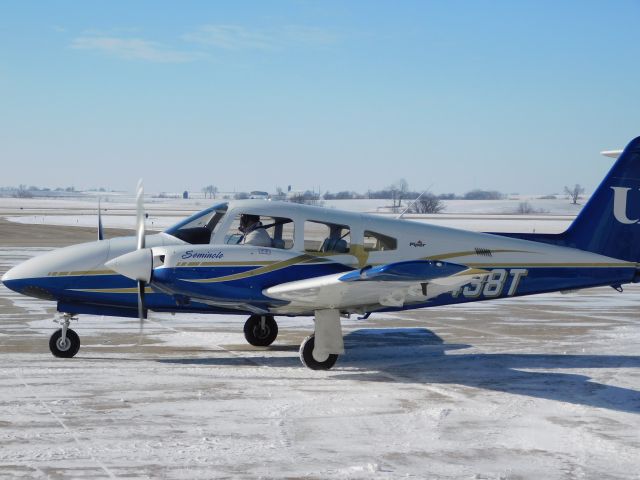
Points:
244	290
537	280
74	289
107	290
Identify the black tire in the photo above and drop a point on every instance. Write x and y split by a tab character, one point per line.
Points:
306	356
256	335
67	350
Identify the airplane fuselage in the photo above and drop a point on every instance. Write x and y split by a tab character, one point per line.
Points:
223	278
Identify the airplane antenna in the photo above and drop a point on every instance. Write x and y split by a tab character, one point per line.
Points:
412	203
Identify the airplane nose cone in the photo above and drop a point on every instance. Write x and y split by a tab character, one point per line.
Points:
47	275
19	280
8	277
19	272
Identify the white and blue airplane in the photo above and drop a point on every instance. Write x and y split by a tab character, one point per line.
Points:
328	264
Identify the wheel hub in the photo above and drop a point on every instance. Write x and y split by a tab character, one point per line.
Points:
261	332
63	344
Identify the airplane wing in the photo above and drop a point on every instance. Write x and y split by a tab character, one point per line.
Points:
392	285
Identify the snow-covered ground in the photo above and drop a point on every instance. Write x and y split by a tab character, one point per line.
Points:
557	206
511	205
479	223
539	387
489	215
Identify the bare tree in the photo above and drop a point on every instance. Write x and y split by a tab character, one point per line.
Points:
427	203
398	191
23	192
574	193
210	190
478	194
308	198
279	195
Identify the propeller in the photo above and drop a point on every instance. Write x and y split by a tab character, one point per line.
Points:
140	214
142	282
137	265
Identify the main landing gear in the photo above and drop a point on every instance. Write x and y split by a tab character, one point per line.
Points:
319	351
308	359
64	343
260	330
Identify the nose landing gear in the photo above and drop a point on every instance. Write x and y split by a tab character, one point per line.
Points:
64	343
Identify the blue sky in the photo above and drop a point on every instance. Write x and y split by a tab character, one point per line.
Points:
350	95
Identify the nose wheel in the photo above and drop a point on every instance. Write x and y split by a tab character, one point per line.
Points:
260	330
64	347
64	343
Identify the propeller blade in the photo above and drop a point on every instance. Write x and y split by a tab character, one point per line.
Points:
140	214
142	308
140	264
100	232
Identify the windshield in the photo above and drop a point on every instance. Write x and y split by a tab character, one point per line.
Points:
198	228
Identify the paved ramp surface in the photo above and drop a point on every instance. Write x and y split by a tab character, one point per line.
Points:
540	387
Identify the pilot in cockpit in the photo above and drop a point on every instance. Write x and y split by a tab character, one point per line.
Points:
253	231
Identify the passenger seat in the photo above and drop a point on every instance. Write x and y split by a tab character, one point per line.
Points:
277	243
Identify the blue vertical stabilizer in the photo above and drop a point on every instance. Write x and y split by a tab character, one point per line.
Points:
609	224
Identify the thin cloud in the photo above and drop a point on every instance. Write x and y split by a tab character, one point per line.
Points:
309	35
134	49
236	37
230	37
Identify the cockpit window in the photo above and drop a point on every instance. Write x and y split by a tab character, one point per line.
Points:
198	228
327	238
278	232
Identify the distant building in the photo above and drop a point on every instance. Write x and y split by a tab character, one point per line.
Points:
258	195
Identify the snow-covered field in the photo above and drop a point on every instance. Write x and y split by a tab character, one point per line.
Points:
493	223
121	202
489	215
539	387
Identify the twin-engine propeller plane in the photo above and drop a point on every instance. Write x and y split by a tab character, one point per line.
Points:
265	259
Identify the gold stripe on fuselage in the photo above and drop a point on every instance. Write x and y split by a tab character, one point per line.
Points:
273	266
112	290
547	265
82	273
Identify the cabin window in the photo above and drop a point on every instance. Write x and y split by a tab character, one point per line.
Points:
199	228
378	242
321	237
280	230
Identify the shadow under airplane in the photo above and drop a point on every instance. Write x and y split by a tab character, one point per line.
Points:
418	355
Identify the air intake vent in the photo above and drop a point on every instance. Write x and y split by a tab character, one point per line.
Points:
485	252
